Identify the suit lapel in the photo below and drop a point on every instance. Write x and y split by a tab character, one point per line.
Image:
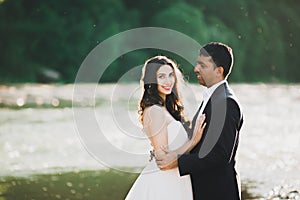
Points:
208	112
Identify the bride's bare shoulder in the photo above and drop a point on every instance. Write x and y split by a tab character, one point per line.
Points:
154	108
153	113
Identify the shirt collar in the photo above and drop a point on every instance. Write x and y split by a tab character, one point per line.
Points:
209	91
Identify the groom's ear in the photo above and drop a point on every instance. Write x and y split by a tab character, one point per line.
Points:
220	71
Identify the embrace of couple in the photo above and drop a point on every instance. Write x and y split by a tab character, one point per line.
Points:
191	160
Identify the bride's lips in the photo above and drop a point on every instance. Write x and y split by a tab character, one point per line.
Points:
166	88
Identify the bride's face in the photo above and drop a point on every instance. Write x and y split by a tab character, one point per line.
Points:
165	80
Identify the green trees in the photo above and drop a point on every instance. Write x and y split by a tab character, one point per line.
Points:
36	35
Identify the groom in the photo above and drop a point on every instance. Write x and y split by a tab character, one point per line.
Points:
211	164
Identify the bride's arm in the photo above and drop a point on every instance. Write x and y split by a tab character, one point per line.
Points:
155	126
197	135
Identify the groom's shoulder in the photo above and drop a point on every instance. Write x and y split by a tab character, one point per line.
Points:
230	95
229	92
233	102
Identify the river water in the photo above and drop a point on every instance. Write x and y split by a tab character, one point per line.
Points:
38	132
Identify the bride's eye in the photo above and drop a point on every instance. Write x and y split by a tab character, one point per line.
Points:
161	76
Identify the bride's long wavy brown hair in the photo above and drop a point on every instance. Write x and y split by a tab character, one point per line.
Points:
151	96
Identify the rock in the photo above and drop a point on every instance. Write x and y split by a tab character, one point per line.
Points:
283	193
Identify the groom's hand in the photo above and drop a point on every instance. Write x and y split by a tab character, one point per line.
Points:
166	161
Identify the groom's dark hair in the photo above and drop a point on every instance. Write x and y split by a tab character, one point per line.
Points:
221	55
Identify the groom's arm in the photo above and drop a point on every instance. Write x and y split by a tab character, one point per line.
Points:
221	152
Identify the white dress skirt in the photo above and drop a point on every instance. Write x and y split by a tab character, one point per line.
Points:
154	184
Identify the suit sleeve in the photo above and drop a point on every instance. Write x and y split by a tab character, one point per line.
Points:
221	152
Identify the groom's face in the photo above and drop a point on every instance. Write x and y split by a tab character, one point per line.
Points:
205	70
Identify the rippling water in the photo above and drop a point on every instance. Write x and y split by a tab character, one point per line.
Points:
38	133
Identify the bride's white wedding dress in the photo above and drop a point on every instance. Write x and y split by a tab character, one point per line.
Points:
154	184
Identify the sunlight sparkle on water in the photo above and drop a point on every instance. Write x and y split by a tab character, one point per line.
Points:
20	102
55	102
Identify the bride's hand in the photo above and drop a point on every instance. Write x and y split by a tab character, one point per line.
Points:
190	144
198	131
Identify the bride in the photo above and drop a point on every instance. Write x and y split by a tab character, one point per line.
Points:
161	114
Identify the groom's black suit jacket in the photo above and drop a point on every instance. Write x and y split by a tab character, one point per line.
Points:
211	164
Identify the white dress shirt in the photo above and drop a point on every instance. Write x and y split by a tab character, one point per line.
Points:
207	94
